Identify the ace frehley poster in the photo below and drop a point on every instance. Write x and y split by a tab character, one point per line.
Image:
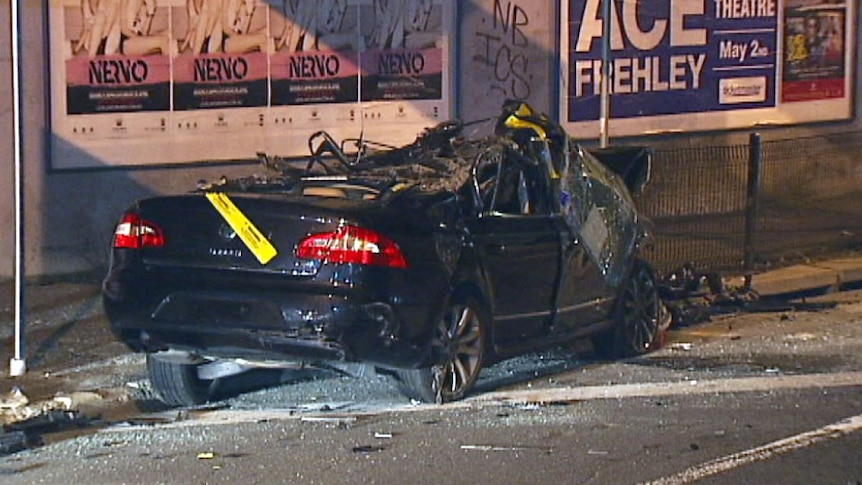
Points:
688	65
143	82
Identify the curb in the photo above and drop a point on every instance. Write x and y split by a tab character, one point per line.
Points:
826	276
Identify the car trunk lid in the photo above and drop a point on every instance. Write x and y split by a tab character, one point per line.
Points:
197	235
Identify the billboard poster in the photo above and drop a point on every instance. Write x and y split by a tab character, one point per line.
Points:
316	57
688	65
221	59
116	58
404	56
166	81
695	58
814	50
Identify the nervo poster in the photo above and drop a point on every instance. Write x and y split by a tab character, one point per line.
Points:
404	55
169	81
221	58
117	57
316	49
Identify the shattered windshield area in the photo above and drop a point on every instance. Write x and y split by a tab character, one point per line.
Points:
574	196
590	202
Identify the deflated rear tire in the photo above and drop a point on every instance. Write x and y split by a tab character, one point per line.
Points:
178	384
459	344
639	314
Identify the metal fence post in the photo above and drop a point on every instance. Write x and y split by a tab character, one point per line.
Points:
751	203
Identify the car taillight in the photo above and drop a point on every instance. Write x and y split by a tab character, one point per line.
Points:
134	233
351	244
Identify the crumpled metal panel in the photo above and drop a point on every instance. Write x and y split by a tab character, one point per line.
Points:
435	170
434	174
598	209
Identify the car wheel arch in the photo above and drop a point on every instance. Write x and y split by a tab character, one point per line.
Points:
457	352
639	281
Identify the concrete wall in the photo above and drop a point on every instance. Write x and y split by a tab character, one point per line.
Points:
505	49
505	52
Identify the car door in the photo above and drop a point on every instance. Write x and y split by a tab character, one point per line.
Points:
519	245
584	295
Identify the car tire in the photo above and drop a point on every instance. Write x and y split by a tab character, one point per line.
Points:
178	384
458	349
638	316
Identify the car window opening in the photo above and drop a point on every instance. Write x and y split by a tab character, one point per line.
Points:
342	191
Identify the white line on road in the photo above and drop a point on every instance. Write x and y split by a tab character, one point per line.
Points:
654	389
765	452
532	396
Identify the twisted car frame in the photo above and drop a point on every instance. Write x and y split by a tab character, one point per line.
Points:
429	260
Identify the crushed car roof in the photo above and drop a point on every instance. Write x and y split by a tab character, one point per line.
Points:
440	159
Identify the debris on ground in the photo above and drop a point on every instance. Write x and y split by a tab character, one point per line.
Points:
544	449
682	346
50	422
28	433
14	399
15	407
12	442
367	449
693	297
22	424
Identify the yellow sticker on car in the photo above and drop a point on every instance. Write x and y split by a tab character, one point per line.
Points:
250	235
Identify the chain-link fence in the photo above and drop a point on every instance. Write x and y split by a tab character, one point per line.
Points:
806	202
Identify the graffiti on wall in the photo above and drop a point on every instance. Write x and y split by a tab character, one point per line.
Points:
504	49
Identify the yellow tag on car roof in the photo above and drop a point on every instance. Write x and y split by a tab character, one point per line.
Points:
254	240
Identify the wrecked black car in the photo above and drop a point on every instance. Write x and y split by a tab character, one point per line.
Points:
427	261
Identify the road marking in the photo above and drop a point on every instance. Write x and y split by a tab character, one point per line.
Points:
621	391
531	396
765	452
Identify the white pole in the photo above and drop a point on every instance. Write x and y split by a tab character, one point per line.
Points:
605	100
18	366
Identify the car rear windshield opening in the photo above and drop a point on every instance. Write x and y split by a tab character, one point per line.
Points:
342	191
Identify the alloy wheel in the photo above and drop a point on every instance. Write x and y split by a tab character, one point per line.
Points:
460	338
640	311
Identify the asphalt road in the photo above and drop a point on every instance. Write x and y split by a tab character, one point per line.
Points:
765	398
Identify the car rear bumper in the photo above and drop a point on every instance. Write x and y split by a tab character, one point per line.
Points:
320	327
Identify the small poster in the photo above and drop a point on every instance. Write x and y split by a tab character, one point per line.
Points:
814	50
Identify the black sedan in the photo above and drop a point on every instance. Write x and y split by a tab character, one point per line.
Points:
429	261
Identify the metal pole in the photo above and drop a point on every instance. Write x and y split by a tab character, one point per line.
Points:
18	366
605	100
751	205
